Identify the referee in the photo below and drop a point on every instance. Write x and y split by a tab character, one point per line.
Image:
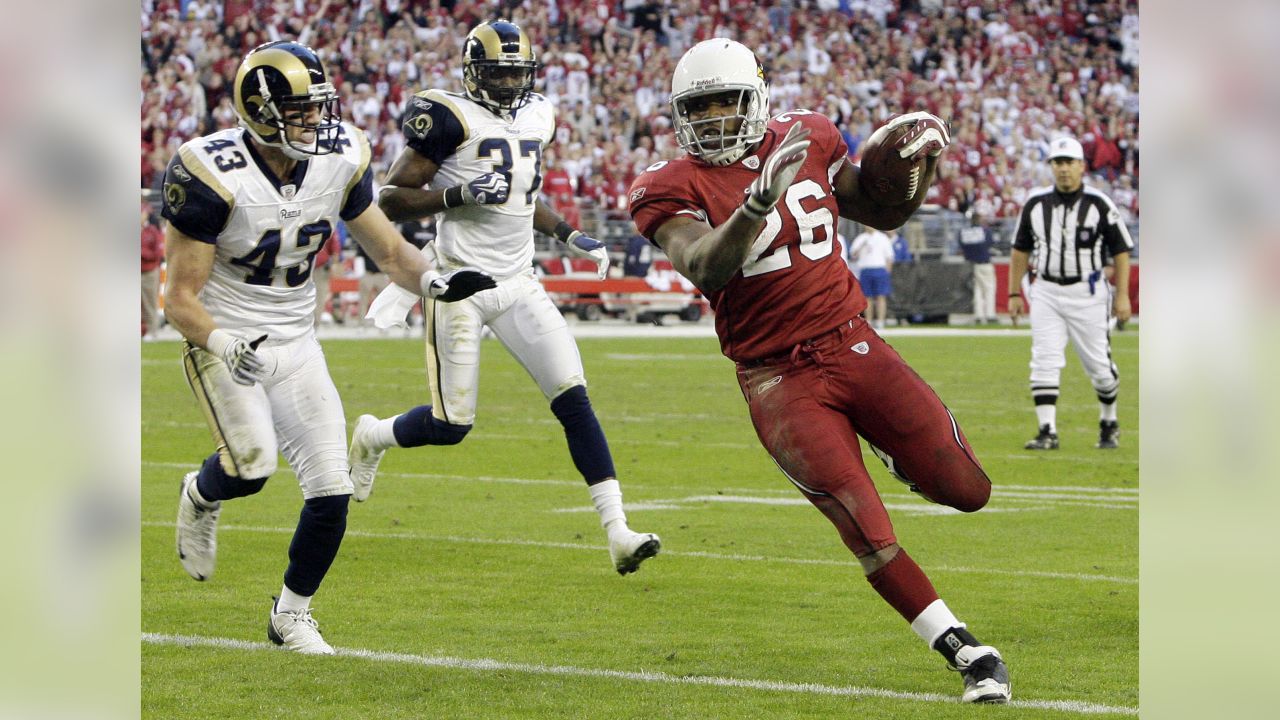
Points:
1064	235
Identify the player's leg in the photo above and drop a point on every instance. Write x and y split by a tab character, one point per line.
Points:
536	335
907	424
1089	329
452	334
1048	357
817	449
312	430
239	418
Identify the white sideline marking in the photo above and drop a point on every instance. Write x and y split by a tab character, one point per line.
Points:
1038	494
665	552
915	508
489	665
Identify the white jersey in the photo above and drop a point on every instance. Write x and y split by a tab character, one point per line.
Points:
267	232
466	140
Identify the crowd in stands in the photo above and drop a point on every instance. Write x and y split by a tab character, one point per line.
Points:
1010	76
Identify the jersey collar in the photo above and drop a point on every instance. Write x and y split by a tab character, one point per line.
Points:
295	178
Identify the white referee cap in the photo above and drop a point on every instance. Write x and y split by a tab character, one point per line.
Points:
1065	147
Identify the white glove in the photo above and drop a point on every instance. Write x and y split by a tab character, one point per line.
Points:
778	173
247	367
391	306
457	285
929	133
581	245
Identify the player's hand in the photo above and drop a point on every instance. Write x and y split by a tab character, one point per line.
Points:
581	245
246	365
488	189
929	134
457	285
1123	310
778	173
1015	308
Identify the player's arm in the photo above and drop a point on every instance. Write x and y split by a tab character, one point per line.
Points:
189	263
1123	309
404	196
856	205
708	257
579	244
405	264
1019	259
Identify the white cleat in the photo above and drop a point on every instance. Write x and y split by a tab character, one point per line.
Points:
197	531
986	677
363	459
628	549
297	631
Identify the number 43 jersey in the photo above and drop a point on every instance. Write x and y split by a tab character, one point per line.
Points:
466	141
795	284
267	231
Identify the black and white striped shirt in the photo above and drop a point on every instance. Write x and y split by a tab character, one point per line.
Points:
1070	236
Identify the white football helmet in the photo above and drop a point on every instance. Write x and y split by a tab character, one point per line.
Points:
716	66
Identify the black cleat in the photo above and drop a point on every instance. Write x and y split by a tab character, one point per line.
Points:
1108	435
1046	440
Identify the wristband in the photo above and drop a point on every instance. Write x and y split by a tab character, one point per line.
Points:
454	200
219	340
563	231
753	209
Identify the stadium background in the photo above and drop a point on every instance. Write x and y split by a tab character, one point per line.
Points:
1010	76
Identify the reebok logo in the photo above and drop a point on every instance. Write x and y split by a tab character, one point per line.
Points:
768	384
861	348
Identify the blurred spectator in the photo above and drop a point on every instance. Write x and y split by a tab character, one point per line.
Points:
639	257
871	259
1005	74
330	255
976	242
152	257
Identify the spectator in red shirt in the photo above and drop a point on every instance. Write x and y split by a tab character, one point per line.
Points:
152	257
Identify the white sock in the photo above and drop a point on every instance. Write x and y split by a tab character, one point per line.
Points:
1107	411
607	498
1048	415
291	601
384	434
933	621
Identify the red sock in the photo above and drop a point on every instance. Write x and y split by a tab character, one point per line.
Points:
904	585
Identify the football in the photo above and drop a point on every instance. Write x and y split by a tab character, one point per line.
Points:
886	176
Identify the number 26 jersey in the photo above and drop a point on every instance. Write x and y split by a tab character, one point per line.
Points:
795	284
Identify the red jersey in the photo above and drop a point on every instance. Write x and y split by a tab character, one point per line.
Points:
795	284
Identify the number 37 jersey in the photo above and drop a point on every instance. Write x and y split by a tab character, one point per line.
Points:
267	231
795	284
465	141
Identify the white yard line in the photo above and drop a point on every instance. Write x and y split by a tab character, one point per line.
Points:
422	537
645	676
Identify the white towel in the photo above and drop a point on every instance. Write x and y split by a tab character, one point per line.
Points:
391	307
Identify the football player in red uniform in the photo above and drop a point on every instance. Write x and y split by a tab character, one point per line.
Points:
749	215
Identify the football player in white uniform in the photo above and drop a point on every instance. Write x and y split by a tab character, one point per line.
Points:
476	159
248	209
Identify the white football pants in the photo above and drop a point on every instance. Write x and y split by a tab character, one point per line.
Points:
526	322
295	411
1071	312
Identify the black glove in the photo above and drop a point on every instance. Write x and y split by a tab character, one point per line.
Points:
457	285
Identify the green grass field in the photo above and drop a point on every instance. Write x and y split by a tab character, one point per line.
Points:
475	583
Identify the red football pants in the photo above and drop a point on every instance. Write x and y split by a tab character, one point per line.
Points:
808	408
